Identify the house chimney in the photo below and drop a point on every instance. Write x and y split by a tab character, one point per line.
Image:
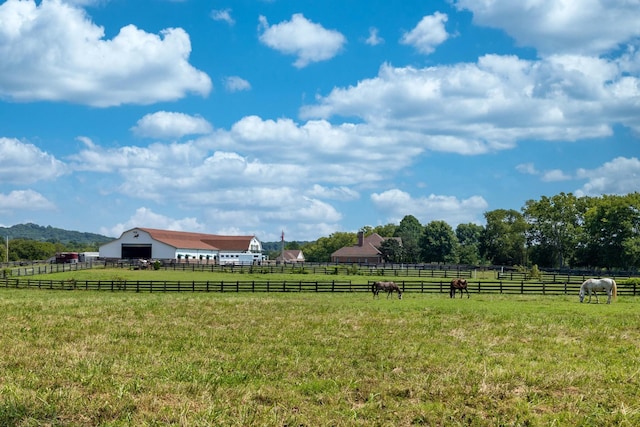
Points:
360	238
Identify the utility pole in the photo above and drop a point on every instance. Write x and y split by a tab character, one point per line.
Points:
282	249
7	254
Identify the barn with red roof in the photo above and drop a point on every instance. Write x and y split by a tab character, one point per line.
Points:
151	243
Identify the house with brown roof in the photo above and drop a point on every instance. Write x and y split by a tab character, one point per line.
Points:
291	255
150	243
366	251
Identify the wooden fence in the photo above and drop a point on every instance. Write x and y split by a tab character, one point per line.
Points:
33	269
410	286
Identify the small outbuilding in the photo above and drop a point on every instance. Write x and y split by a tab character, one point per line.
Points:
291	255
367	251
150	243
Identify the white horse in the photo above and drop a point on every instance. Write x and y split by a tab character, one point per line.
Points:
592	285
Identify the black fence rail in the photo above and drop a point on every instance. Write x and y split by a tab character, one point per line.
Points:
342	269
410	286
43	268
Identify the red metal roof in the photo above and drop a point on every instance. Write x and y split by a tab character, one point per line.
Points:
187	240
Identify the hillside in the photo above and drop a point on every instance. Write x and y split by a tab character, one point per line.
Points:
52	234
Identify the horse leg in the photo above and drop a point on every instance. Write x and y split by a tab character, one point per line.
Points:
596	294
609	299
467	291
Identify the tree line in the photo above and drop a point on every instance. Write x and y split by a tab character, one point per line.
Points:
563	231
27	249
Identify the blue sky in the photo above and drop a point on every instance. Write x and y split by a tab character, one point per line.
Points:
253	117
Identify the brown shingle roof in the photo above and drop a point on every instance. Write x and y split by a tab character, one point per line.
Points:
291	255
187	240
369	248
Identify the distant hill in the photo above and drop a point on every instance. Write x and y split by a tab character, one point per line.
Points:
52	234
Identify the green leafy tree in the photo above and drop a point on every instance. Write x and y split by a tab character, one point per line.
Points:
439	243
387	230
392	251
553	229
292	246
23	249
3	251
612	225
321	249
410	231
503	240
469	236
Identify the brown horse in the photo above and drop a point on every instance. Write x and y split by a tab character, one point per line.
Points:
458	284
388	287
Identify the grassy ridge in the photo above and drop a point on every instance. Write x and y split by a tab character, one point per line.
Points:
86	358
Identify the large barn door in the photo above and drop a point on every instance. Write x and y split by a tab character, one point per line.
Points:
130	251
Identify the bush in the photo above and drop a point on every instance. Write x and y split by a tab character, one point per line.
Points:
535	272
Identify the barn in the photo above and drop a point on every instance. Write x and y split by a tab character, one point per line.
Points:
150	243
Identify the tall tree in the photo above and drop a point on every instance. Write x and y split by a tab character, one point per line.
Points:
24	249
554	229
392	251
321	249
439	243
469	236
410	231
612	226
387	230
503	240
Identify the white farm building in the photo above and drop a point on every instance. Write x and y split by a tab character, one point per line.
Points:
149	243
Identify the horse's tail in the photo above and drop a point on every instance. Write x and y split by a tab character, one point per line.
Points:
614	289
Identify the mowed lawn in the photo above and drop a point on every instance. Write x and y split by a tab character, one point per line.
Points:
84	358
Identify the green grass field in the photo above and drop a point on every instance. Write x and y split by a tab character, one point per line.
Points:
78	358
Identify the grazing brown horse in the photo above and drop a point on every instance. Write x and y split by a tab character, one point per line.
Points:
456	284
388	287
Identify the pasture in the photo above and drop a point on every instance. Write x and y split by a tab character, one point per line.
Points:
86	358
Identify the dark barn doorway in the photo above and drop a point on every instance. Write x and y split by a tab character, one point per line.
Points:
136	251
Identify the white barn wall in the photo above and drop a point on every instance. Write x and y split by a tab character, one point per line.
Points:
159	250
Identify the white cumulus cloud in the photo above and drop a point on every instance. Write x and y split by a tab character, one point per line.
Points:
146	218
236	84
396	204
223	15
374	39
560	26
165	124
618	176
428	34
24	200
309	41
24	163
52	51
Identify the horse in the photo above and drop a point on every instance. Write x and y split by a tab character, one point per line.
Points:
592	285
456	284
388	287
